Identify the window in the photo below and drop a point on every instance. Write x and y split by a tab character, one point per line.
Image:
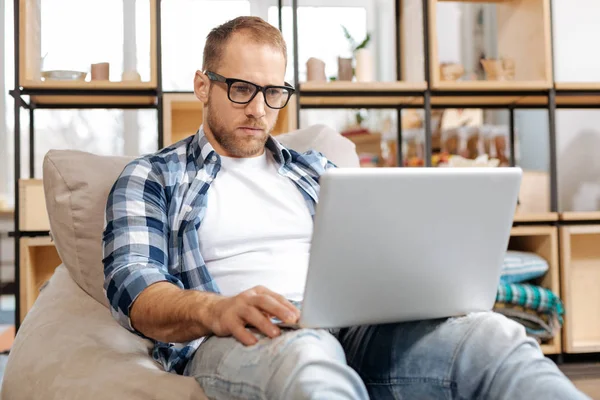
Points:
75	43
320	34
185	25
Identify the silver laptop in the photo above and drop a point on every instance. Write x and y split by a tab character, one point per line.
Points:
402	244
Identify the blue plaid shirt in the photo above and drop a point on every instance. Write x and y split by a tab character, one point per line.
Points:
153	213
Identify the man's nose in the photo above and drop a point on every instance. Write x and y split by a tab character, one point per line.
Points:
256	108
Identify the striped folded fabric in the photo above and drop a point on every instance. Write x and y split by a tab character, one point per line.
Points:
531	297
521	266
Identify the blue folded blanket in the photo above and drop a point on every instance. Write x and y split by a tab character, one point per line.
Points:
538	309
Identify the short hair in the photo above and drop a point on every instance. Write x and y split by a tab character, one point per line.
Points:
256	29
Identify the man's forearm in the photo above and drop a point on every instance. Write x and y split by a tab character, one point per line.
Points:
167	313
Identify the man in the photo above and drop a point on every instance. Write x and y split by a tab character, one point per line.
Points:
207	239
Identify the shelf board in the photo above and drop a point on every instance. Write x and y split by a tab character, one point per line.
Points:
6	212
90	99
488	100
73	94
87	85
573	94
490	93
500	86
359	94
580	216
577	86
356	101
347	86
476	1
536	217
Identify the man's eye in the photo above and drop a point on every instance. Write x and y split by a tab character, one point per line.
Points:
242	89
273	92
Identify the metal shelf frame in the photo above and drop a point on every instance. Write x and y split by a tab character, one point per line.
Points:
20	103
430	94
426	96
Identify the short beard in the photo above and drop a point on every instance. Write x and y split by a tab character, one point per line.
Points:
234	145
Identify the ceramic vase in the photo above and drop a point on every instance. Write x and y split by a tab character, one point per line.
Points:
100	71
364	65
493	69
508	65
315	70
345	69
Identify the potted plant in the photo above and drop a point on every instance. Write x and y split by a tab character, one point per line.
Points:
360	64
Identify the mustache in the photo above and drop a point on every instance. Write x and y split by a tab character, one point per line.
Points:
254	125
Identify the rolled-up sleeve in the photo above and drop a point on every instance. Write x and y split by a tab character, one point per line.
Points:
135	239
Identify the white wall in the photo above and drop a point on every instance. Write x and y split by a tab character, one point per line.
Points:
576	33
449	32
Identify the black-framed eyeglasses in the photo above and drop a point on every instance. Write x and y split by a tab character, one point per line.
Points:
243	92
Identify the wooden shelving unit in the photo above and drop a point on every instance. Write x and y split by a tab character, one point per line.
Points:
182	116
30	61
580	275
32	206
439	98
35	255
577	94
580	216
353	87
524	35
536	217
361	94
542	240
38	261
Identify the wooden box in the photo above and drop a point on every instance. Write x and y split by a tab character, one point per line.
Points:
38	261
33	215
523	36
542	240
182	116
580	276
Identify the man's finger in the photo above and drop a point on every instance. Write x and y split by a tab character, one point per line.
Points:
269	304
239	331
281	299
257	319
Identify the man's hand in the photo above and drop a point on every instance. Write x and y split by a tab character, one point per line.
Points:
231	315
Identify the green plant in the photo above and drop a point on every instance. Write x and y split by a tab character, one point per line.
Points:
353	43
360	116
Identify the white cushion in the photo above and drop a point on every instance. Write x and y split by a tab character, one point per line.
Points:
335	147
76	185
70	348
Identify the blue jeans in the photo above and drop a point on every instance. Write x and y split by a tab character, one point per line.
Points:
480	356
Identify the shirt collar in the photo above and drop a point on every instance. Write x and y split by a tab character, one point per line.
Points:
204	153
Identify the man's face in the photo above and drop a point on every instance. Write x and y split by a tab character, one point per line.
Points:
241	130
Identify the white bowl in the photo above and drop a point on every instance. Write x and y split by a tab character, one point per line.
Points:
64	75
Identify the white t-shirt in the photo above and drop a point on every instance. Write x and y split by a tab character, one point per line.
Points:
257	229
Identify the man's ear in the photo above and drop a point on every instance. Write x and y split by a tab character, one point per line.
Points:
201	86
